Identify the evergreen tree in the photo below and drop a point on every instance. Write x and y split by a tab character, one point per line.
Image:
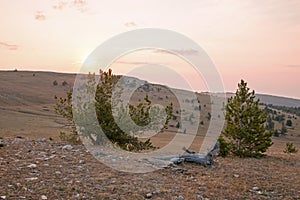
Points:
283	130
245	133
104	106
289	122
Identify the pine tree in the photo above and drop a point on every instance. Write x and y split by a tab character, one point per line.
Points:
245	132
104	106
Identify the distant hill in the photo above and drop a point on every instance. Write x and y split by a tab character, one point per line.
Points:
279	101
275	100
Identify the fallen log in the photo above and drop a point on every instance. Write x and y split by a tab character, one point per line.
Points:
201	159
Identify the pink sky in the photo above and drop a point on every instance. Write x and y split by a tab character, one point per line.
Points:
258	41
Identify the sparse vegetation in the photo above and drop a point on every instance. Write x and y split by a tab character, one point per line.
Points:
290	148
291	110
289	122
283	130
64	83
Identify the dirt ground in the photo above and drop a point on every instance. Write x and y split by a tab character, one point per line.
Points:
40	169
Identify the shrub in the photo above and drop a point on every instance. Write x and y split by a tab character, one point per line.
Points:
64	83
290	148
224	147
276	133
289	122
55	83
283	130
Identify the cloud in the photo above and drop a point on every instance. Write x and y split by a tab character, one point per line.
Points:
60	5
80	5
292	66
130	24
40	16
8	46
133	62
179	51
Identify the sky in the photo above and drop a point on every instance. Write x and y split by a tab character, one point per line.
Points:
258	41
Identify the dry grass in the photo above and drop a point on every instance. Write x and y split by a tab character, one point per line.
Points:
61	175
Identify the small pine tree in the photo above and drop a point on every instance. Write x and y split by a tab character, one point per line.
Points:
276	133
245	133
64	83
178	125
283	130
55	83
290	148
289	122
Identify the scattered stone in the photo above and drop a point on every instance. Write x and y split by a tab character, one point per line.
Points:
44	197
32	165
176	169
81	161
76	196
180	198
31	179
67	147
149	195
199	197
255	188
236	175
259	192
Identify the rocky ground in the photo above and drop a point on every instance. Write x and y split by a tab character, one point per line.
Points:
43	169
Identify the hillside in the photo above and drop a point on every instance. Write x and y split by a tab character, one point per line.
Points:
275	100
33	167
26	104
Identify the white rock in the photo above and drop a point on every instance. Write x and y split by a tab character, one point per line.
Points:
32	165
180	198
81	161
255	188
44	197
67	147
31	179
148	196
3	197
259	192
236	175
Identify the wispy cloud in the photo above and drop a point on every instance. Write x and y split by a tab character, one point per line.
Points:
80	5
60	5
130	24
179	51
40	16
8	46
133	62
139	63
292	66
